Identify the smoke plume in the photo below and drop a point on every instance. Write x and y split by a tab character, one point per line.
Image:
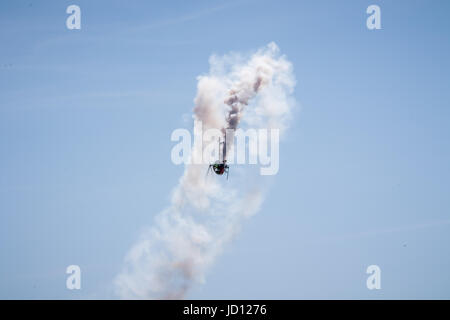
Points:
204	214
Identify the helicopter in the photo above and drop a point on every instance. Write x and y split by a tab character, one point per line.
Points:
220	166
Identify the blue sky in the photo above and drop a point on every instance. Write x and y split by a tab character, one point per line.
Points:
85	123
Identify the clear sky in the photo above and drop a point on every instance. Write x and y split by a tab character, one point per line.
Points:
85	123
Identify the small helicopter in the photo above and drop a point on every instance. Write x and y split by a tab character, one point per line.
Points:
220	166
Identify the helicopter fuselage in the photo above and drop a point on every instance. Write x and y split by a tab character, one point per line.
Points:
219	168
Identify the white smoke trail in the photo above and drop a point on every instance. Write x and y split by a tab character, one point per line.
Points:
204	214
